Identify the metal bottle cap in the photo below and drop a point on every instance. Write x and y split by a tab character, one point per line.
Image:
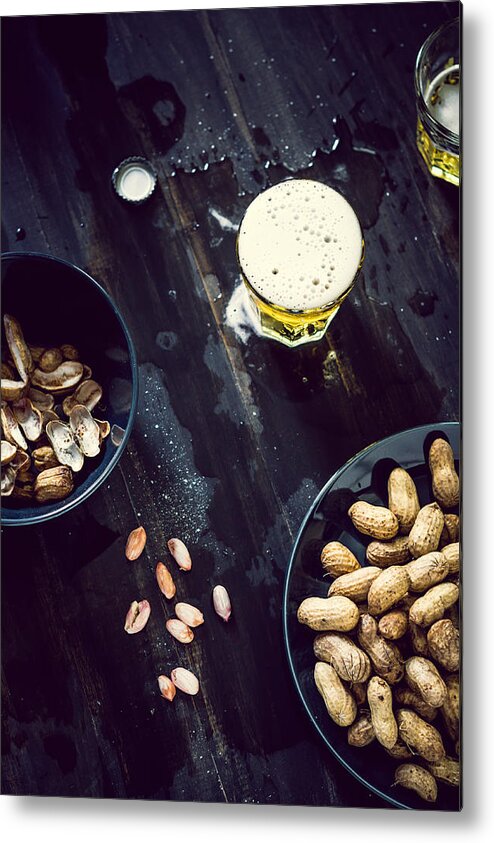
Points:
134	180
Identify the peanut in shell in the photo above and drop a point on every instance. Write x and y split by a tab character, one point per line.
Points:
403	499
371	520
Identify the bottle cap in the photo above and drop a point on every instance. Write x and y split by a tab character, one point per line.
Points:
134	180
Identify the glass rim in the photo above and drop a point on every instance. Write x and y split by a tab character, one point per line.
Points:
453	136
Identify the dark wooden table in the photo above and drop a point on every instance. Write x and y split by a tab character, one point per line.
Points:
234	435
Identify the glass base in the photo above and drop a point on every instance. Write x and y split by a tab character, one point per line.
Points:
291	330
440	163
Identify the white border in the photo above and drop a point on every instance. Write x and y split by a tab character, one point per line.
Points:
53	820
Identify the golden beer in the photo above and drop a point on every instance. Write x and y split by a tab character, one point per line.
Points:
300	249
438	90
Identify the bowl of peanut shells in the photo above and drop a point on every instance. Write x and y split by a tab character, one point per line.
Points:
371	615
69	387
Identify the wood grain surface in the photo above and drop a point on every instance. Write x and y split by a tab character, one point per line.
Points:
234	435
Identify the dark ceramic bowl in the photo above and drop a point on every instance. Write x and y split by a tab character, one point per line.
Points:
364	477
55	303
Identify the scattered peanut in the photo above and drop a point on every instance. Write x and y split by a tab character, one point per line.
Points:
167	688
135	543
189	614
221	602
179	630
165	581
185	680
180	554
137	616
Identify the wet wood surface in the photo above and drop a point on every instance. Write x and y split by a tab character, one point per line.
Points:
234	435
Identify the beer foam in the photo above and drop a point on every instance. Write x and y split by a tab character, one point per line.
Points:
300	244
443	98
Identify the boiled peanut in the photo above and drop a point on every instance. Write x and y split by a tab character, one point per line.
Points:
385	656
452	554
384	554
393	625
418	639
452	614
359	691
403	499
408	698
450	710
445	480
426	531
356	584
418	779
376	521
350	662
424	678
447	771
337	559
444	644
399	750
336	613
431	606
451	529
421	737
380	699
361	732
338	700
388	589
428	570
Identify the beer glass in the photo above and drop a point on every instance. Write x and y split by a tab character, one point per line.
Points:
438	93
300	249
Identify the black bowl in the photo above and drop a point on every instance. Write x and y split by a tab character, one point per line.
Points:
55	302
363	477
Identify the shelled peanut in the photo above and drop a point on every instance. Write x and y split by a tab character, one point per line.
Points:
388	628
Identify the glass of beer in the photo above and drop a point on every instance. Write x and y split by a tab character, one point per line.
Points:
438	94
300	249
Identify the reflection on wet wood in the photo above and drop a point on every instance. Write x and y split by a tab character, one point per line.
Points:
234	436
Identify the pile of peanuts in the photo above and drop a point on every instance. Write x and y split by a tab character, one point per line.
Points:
388	648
